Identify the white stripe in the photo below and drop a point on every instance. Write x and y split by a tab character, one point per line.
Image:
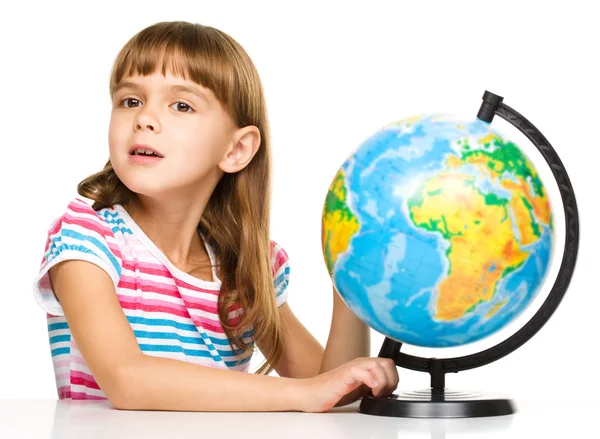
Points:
211	317
199	294
87	390
59	370
60	344
58	332
138	294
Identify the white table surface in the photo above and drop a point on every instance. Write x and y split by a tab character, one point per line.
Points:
54	419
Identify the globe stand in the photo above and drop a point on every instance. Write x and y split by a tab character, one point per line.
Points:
439	402
436	402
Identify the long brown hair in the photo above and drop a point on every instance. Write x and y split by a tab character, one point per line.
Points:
236	220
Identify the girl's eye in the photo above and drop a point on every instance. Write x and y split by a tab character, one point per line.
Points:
186	107
127	99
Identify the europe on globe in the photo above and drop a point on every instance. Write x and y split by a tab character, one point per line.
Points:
437	232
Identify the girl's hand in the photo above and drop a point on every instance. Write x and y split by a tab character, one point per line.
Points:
350	380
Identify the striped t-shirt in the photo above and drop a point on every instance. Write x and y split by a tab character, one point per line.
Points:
172	313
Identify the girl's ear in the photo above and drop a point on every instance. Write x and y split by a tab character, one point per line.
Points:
245	144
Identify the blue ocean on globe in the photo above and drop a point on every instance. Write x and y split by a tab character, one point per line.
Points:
437	232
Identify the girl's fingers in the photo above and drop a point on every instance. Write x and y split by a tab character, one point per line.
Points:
391	374
380	376
361	374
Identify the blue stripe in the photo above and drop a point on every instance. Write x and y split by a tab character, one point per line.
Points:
58	338
182	326
161	322
55	326
236	363
279	279
112	217
114	220
219	341
173	336
169	335
153	348
122	230
97	243
59	351
225	342
170	348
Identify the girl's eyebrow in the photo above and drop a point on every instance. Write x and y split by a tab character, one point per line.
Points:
176	88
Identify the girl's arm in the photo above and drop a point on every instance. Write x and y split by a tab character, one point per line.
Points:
304	357
132	380
349	337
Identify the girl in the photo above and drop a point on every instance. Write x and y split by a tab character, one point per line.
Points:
158	293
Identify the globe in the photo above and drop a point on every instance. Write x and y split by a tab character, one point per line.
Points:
437	232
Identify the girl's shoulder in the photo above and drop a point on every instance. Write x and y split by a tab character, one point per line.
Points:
79	233
80	211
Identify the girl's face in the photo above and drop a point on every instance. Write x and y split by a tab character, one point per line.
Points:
177	118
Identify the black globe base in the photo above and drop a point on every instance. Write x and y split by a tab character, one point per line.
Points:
430	403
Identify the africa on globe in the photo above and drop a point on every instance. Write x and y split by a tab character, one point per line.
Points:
437	232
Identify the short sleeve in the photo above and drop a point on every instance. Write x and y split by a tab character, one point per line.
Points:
79	233
280	266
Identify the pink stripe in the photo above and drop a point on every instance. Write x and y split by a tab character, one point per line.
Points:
161	270
54	229
183	284
114	249
64	392
87	223
280	259
80	206
62	376
76	357
149	286
80	395
211	326
146	308
45	284
202	305
86	378
61	363
203	322
198	303
85	383
151	303
153	269
47	245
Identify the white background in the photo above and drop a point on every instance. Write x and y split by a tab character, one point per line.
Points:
333	73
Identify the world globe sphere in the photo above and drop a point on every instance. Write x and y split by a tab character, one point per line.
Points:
437	232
